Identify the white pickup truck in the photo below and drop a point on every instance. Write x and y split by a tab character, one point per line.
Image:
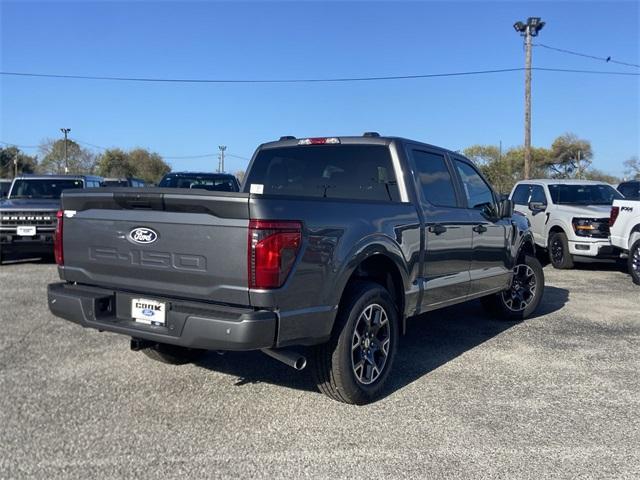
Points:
624	225
569	218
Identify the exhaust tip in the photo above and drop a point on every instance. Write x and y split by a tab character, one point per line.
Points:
300	363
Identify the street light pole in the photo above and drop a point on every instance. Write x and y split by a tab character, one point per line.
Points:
528	31
222	148
66	160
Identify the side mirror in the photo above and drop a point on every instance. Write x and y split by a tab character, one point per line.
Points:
537	206
505	208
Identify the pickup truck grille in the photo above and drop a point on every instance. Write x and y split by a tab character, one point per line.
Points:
11	220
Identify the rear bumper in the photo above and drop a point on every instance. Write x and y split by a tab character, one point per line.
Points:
188	324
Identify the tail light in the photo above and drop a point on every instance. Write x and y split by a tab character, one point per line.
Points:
273	248
319	141
615	211
57	239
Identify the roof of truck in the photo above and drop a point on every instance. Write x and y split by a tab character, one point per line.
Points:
353	140
562	181
33	176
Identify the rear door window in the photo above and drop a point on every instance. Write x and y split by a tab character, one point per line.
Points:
434	179
358	172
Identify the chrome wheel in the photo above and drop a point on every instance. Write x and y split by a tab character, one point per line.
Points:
370	344
523	289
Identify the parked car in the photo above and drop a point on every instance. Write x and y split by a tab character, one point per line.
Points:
569	218
214	182
5	185
630	189
123	182
625	232
332	244
28	215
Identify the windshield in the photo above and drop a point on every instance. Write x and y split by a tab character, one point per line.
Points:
43	188
583	194
218	183
115	183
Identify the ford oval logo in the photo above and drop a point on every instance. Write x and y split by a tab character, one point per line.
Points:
143	235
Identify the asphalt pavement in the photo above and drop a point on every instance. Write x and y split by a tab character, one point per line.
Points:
556	396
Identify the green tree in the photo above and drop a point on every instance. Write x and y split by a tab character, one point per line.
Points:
80	160
599	175
570	156
115	162
148	165
26	163
632	167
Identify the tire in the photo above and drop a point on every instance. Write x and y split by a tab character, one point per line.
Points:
173	354
634	262
346	373
559	255
524	294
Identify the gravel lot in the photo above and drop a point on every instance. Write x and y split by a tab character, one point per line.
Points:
555	396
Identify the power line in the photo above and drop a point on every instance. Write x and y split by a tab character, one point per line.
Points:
19	146
308	80
608	59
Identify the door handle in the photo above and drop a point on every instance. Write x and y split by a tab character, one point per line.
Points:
479	229
437	229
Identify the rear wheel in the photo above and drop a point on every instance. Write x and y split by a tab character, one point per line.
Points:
559	251
634	262
353	367
173	354
523	296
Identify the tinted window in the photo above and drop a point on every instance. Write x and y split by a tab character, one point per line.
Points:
219	183
479	195
362	172
630	190
537	194
43	188
115	183
521	194
563	194
434	179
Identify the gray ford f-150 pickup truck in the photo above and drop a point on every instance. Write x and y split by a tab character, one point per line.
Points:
330	246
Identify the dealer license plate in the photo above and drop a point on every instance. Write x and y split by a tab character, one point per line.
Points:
149	312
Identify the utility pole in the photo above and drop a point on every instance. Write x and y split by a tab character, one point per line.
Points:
66	159
528	31
15	165
222	148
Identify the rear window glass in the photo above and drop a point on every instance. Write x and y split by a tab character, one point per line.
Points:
359	172
215	183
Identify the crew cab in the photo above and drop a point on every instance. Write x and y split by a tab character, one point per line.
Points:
569	218
332	244
28	215
624	225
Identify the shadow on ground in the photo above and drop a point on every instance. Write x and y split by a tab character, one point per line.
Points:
432	340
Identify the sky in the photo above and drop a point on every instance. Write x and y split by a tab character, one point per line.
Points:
274	40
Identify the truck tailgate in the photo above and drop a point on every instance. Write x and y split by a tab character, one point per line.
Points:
191	245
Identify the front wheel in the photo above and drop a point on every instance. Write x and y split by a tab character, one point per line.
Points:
354	365
559	251
523	296
634	262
